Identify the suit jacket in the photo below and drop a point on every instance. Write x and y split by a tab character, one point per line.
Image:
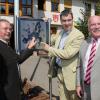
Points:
9	76
95	73
68	55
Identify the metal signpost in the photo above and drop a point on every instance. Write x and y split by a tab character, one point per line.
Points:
50	78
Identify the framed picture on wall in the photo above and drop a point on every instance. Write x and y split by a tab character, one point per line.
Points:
29	27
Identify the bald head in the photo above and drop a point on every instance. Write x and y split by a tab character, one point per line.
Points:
92	18
94	26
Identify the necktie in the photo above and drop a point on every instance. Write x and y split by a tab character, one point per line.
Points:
90	62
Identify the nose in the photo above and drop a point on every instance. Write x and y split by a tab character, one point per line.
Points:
66	22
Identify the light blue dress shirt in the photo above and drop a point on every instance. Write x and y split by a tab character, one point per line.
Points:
61	46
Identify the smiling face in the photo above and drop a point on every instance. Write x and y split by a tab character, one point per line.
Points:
67	22
94	26
5	30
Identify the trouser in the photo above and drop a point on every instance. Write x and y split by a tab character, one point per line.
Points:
87	94
2	94
64	93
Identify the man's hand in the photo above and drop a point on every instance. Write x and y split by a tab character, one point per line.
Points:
79	91
45	46
31	43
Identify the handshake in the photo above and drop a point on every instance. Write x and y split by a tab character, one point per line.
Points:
44	46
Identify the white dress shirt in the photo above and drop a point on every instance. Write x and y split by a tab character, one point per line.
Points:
88	54
4	41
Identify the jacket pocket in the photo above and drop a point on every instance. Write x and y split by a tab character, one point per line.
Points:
73	68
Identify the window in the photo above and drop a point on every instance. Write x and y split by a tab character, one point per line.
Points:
55	5
2	9
11	9
29	2
24	2
41	4
3	0
7	7
26	11
87	8
26	8
11	1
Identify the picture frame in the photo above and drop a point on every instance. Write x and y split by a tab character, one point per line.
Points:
29	27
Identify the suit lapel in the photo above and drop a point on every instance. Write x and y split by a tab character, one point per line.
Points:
70	36
58	40
97	54
84	48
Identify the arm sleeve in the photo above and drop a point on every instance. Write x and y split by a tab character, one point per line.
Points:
24	55
78	69
69	50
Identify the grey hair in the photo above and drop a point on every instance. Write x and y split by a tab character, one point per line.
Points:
4	20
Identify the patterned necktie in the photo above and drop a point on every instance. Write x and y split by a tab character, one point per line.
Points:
90	62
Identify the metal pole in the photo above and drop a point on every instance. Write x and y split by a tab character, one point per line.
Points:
32	76
50	88
16	15
50	79
49	21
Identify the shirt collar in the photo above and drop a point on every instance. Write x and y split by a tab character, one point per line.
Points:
66	32
98	40
4	41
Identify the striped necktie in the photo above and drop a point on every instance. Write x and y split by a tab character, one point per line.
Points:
90	62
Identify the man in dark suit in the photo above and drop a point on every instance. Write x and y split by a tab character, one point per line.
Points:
9	76
88	71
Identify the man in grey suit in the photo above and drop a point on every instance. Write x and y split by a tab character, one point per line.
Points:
88	71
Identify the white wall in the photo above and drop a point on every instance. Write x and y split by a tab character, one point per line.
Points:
9	18
48	5
61	5
76	6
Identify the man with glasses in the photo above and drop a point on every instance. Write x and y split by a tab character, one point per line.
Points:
9	77
64	53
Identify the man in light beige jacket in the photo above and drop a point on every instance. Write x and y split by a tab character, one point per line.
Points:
64	53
